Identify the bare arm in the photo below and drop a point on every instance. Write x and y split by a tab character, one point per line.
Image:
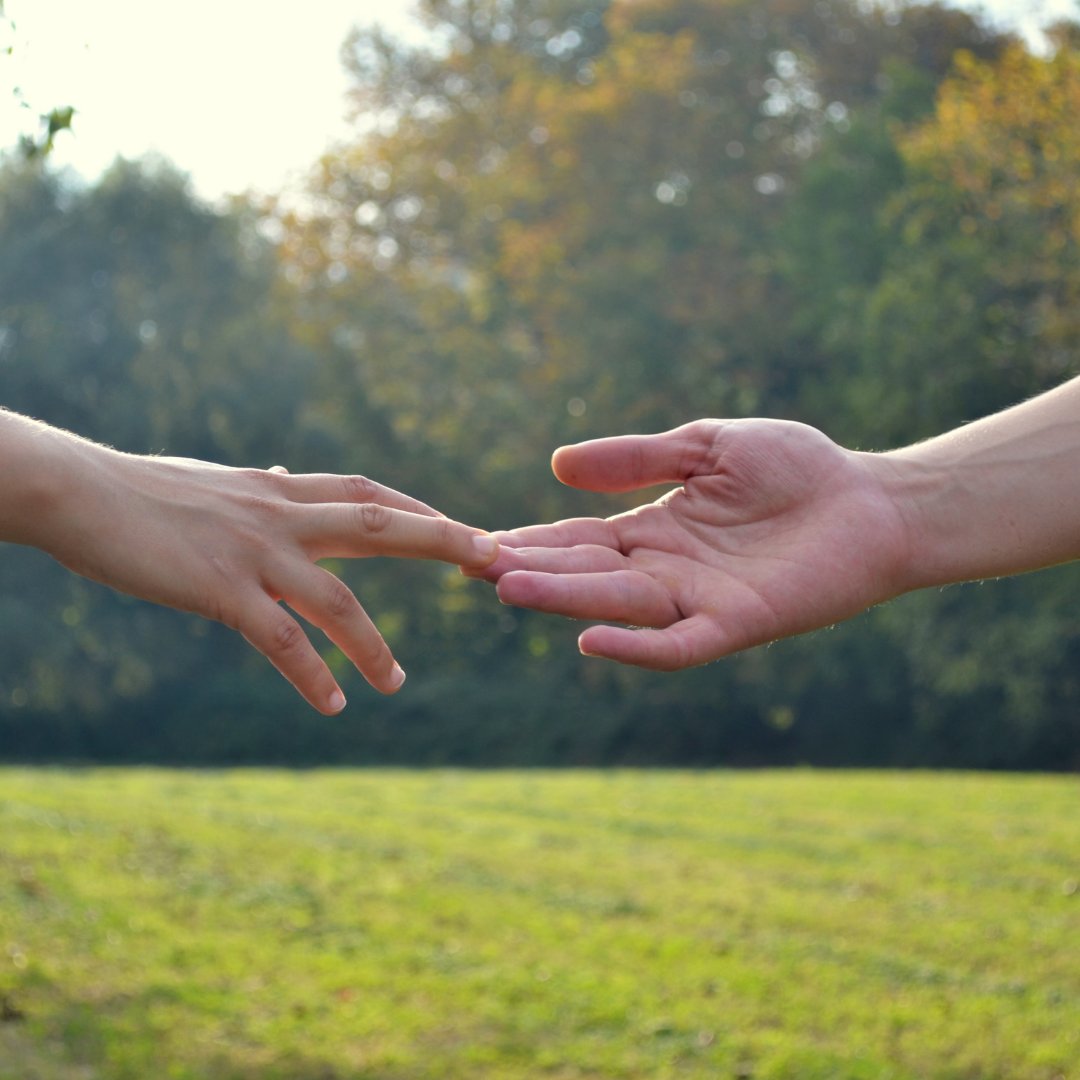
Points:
775	530
995	497
228	544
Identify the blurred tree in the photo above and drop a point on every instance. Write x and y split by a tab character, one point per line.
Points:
133	315
49	124
980	301
837	234
568	220
555	220
977	306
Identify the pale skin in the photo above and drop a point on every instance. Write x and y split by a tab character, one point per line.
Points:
233	545
774	529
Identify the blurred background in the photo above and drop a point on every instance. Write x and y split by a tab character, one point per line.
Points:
431	244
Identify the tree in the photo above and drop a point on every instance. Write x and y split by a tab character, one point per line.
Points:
49	124
570	220
977	308
131	314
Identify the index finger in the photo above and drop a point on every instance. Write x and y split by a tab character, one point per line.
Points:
687	643
336	530
591	533
580	559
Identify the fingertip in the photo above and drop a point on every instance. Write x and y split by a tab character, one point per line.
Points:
606	642
486	548
587	644
497	568
387	684
335	703
560	463
383	674
513	588
476	552
397	678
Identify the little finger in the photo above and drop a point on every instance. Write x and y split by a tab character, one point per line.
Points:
626	596
280	638
684	644
327	602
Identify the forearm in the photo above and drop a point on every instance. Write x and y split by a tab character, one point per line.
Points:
998	496
43	471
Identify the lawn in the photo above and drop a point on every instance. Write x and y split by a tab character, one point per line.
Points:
406	925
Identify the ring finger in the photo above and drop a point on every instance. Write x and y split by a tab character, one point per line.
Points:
327	602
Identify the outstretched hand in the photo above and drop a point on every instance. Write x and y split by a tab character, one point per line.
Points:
229	544
773	531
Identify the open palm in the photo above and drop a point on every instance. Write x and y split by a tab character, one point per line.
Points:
774	530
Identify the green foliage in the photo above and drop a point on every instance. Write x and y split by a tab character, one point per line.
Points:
413	925
133	315
554	221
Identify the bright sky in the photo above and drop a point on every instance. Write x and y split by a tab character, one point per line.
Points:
239	93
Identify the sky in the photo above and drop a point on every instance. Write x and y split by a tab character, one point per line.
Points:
241	94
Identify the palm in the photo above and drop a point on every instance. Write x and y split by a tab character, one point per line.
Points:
774	530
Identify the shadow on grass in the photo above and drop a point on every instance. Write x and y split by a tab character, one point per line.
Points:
120	1038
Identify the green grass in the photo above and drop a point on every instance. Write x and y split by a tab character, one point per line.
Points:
401	925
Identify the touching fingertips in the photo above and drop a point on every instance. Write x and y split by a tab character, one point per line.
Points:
486	546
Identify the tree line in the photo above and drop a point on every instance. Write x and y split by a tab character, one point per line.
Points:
557	220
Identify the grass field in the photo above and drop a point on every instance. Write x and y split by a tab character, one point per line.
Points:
403	925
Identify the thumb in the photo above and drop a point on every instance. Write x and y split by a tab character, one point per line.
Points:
628	462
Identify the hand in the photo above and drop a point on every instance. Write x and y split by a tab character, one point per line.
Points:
229	544
774	530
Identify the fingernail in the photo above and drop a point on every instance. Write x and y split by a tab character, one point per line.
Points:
397	677
485	546
337	701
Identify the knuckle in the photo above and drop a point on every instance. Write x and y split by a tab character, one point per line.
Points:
340	600
359	489
674	658
214	608
679	656
702	447
263	506
262	543
287	636
375	654
444	532
374	518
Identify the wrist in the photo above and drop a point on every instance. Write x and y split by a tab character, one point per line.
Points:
929	501
49	475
